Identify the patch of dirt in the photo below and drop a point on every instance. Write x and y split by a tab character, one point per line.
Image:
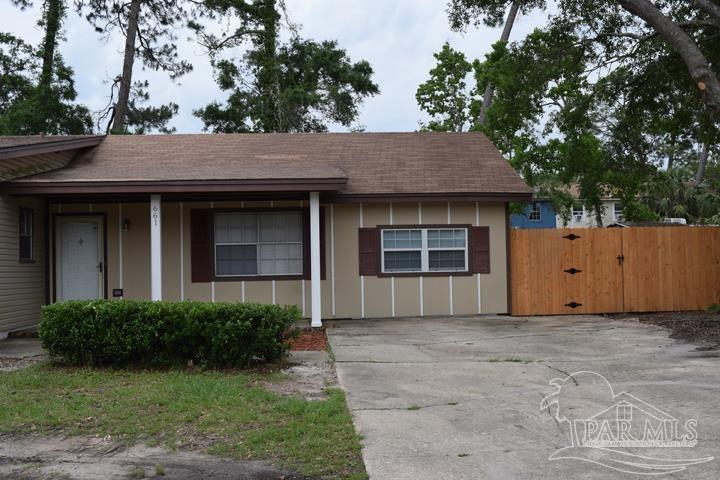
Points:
312	339
307	374
696	327
86	458
10	364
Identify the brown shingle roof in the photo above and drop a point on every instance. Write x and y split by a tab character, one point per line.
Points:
373	163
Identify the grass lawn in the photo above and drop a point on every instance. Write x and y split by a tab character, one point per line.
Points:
244	420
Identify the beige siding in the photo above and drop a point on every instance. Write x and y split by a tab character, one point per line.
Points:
136	252
342	222
347	281
494	285
171	251
22	285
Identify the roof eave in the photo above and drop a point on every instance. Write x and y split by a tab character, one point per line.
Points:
49	147
430	197
174	186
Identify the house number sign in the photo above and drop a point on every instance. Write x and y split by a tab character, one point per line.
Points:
156	215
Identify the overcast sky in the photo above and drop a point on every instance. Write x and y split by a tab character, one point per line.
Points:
397	37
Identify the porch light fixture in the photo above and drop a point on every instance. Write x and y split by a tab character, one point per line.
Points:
126	225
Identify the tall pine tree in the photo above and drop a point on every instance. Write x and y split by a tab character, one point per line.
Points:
294	86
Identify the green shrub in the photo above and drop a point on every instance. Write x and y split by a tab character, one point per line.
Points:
161	334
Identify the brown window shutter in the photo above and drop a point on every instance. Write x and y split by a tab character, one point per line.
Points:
480	249
201	245
306	243
369	246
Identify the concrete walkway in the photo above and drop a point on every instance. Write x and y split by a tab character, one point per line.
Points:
21	348
460	398
16	353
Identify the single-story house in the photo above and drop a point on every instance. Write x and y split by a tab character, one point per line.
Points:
345	225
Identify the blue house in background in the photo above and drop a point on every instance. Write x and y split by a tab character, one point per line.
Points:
538	214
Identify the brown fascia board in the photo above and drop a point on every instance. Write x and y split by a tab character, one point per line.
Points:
331	188
429	197
173	186
49	147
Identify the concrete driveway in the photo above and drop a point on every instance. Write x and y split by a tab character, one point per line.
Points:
439	398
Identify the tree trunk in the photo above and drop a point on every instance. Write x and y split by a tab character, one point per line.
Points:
53	13
597	209
273	119
118	122
671	153
490	88
702	163
52	18
700	71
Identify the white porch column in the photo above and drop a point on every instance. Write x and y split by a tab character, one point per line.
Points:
315	258
155	247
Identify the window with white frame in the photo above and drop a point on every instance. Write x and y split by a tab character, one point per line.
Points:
534	215
578	212
618	212
424	250
260	243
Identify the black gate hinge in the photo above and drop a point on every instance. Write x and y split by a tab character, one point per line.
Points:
573	304
572	271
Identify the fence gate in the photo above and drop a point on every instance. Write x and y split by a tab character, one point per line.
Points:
569	271
671	268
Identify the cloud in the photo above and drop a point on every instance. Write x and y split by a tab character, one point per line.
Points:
397	37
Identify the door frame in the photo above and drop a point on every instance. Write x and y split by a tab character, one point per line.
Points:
104	235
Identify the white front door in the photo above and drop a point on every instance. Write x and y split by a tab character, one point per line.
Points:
80	254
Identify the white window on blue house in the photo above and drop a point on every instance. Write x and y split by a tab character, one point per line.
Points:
535	214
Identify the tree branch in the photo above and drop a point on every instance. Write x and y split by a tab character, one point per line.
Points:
504	37
710	8
698	66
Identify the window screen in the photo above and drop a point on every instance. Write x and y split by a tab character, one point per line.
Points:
266	243
424	250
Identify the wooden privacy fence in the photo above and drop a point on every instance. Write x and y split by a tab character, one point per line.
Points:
608	270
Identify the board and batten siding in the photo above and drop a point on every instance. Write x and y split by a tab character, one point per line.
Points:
22	284
345	294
